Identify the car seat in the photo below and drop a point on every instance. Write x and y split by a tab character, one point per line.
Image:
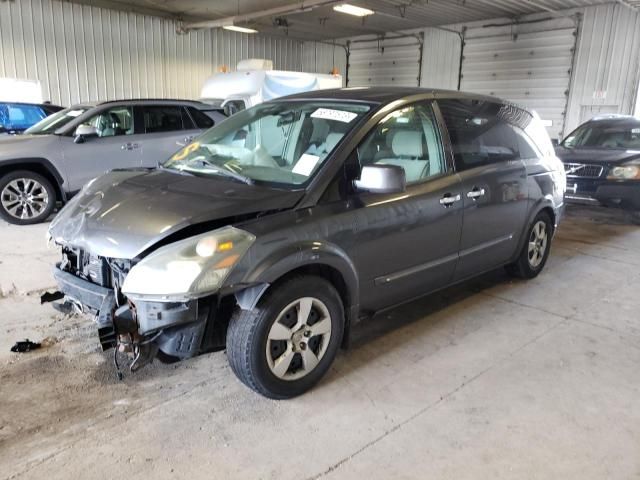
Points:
408	153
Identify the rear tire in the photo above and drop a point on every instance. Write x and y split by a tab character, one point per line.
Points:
287	343
535	250
26	197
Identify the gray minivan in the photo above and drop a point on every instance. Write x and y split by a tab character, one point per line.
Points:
54	158
276	230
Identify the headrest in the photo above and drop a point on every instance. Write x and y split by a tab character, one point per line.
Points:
320	129
331	141
407	143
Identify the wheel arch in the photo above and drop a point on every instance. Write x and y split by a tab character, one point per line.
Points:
311	258
543	205
38	165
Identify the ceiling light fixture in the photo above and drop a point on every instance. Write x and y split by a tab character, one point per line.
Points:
353	10
235	28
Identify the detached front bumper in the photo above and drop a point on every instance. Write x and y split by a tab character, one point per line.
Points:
176	328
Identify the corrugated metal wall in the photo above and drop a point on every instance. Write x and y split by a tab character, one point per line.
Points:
321	58
607	67
83	53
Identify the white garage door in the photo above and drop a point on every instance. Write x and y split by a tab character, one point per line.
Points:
531	69
385	62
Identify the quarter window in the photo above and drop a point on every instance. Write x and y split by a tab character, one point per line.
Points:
409	138
526	147
479	131
202	120
113	122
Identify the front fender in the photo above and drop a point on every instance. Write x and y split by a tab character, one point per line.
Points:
251	283
303	254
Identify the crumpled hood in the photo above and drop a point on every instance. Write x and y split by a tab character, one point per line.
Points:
596	155
123	213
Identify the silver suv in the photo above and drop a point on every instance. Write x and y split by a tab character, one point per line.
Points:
58	155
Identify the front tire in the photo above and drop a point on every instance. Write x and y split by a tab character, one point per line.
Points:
26	197
535	250
286	344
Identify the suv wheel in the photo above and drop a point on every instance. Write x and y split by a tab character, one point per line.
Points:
26	197
287	343
535	250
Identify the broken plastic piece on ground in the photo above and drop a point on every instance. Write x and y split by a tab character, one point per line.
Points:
50	297
25	346
66	308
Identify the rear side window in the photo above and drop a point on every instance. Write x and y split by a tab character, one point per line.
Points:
163	118
479	131
202	120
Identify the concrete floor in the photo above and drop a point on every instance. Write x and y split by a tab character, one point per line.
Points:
492	379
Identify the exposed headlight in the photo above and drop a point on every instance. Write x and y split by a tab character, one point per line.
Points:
626	171
188	268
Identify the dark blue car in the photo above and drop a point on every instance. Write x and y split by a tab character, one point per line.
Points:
16	117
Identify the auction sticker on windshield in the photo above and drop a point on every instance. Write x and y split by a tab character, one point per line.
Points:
305	164
337	115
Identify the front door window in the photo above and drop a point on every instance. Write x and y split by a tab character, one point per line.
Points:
113	122
409	138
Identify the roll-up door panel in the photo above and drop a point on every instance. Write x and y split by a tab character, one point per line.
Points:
531	69
386	62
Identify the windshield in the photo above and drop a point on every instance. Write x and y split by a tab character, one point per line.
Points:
283	143
58	120
593	135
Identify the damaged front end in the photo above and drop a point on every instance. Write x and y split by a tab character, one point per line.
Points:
144	329
163	305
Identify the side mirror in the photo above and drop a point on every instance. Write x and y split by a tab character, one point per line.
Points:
84	131
381	179
555	142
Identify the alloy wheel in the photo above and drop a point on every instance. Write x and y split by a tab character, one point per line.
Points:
24	198
537	243
299	338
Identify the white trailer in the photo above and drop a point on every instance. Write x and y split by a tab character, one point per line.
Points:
254	81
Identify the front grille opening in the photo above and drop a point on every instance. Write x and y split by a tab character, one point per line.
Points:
583	170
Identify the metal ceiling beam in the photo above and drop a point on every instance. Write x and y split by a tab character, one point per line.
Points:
299	7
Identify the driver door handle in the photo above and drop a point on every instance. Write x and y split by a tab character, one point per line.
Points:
449	199
130	146
476	193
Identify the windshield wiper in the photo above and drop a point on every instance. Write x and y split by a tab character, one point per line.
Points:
217	170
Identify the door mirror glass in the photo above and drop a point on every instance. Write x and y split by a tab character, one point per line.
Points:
84	131
379	178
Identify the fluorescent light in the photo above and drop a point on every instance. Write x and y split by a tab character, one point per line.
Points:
235	28
353	10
